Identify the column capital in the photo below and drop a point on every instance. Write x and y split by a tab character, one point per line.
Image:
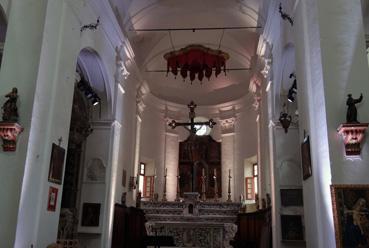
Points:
228	125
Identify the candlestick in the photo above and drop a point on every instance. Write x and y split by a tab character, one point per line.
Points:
229	187
165	186
215	186
203	189
178	191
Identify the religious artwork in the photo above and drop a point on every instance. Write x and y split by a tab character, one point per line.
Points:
95	171
10	109
292	228
196	154
9	128
291	197
306	159
52	199
56	164
351	215
90	214
351	115
132	183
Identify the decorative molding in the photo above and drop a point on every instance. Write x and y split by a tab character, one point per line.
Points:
353	134
121	69
228	125
142	91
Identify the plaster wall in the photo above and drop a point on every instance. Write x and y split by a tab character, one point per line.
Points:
153	142
52	67
287	175
19	69
246	146
329	34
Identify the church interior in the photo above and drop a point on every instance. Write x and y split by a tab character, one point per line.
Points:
197	123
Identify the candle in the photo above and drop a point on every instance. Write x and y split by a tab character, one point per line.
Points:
165	172
215	172
203	171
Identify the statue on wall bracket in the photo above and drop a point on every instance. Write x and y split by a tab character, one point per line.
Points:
9	128
352	131
351	115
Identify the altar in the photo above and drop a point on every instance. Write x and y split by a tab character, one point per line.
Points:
192	223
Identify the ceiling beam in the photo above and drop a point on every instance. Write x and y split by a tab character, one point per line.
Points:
192	29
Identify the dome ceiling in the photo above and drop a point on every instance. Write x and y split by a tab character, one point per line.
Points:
149	47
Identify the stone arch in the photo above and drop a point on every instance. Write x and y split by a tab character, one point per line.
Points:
91	66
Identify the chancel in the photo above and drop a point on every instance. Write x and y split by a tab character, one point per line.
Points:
212	123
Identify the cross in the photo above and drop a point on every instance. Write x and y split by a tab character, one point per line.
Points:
173	124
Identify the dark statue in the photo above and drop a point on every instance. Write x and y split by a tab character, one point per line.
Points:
10	109
351	116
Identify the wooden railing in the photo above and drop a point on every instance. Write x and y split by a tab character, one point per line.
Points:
128	227
68	243
254	230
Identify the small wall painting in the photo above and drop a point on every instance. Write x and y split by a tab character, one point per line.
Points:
124	178
56	164
351	215
292	228
90	214
52	199
291	197
306	159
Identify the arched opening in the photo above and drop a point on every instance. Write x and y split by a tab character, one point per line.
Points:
84	174
3	28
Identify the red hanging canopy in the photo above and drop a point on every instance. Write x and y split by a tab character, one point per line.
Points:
196	60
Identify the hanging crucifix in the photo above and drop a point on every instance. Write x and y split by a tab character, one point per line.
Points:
196	151
192	126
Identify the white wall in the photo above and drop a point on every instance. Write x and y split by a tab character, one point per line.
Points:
51	67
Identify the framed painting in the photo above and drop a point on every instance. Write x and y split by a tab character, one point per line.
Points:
52	199
291	197
292	228
351	215
306	158
90	214
124	178
56	164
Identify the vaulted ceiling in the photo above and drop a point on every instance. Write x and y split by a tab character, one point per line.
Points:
149	47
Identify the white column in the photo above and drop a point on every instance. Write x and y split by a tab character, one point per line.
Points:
228	156
19	69
111	184
171	163
140	108
326	31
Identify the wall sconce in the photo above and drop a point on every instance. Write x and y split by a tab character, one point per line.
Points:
293	90
90	94
285	119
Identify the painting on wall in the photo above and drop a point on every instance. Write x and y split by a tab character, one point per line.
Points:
306	159
351	215
90	214
291	197
95	171
56	164
292	228
52	199
124	178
